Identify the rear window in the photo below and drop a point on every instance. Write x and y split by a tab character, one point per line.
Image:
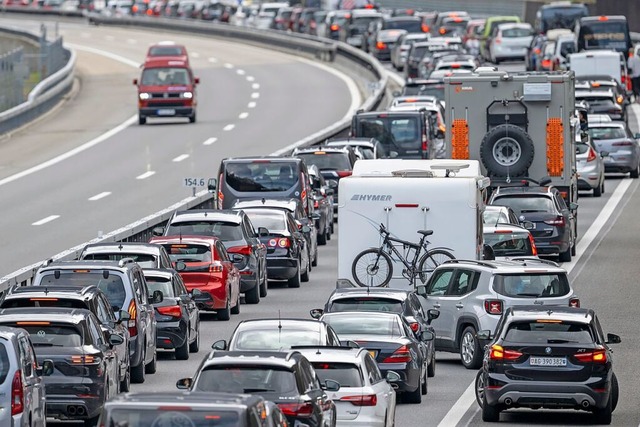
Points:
165	51
225	231
509	244
43	302
145	260
526	204
547	331
410	26
366	304
364	325
4	363
607	133
436	90
531	285
261	176
159	417
347	374
247	379
112	285
262	339
494	217
516	32
162	284
52	335
327	160
402	132
188	253
268	221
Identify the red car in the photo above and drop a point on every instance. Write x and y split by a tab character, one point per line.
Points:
207	270
167	50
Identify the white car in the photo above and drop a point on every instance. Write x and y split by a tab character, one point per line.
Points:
365	398
510	41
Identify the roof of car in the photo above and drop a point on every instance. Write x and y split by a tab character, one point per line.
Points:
533	312
226	215
510	25
594	93
289	204
403	18
186	398
87	264
361	313
331	354
129	247
185	239
510	266
280	358
320	150
362	142
40	314
611	124
63	291
267	210
390	293
261	159
285	323
7	332
365	12
519	190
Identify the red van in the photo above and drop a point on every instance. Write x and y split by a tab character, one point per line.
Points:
167	88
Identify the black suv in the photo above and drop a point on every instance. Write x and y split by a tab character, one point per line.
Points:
404	135
548	357
88	297
287	379
555	228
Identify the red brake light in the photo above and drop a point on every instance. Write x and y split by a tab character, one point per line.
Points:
401	355
415	326
315	204
361	400
493	306
455	65
133	313
216	268
558	221
342	174
603	18
546	63
242	250
592	155
534	249
17	394
335	27
425	28
596	356
499	353
574	302
442	31
296	409
380	45
170	310
622	144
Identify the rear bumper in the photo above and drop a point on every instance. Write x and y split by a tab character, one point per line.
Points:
63	402
409	377
170	335
282	268
248	281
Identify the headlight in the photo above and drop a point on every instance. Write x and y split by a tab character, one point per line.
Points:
143	96
187	95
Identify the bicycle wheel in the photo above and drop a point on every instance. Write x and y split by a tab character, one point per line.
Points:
372	267
430	261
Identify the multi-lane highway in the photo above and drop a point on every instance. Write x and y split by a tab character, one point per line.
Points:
293	100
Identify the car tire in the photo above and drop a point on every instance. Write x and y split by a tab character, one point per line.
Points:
431	367
142	120
225	313
603	415
565	256
236	308
125	384
182	352
328	233
479	388
294	282
151	367
413	396
490	414
138	373
424	386
252	296
304	277
322	239
615	392
636	172
502	141
314	263
192	118
194	347
597	192
470	350
264	286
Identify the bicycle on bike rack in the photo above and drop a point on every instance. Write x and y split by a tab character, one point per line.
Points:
374	266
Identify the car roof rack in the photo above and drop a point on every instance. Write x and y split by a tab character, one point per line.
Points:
540	260
470	261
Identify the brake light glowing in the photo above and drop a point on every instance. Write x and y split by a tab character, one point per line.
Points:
592	155
596	356
133	314
559	221
415	326
170	310
43	299
442	31
296	409
335	27
27	323
603	18
493	306
342	174
242	250
361	400
534	249
574	302
216	267
546	63
85	360
381	45
499	353
401	355
315	204
425	28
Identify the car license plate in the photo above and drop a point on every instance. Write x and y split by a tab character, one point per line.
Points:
167	112
548	361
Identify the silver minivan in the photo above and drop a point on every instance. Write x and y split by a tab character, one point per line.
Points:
22	392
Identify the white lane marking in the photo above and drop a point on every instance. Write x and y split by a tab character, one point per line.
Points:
146	175
251	105
46	220
250	78
212	59
180	158
228	127
227	65
100	196
468	398
132	41
85	35
210	141
240	72
109	38
195	54
104	53
255	95
243	115
255	86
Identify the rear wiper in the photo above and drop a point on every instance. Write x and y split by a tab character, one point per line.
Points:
524	294
557	341
531	210
256	390
45	344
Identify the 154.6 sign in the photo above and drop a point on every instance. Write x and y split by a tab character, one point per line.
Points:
194	182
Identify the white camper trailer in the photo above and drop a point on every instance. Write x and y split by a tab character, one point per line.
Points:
446	196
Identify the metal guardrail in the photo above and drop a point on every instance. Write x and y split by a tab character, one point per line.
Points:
340	54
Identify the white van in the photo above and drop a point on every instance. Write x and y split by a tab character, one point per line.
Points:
446	196
599	62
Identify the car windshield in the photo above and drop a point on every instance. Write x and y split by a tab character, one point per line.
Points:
327	160
261	176
545	332
111	285
417	52
246	379
363	21
604	35
5	364
165	76
145	260
364	325
526	204
275	339
509	244
140	416
225	231
270	221
411	26
561	16
38	301
402	132
516	32
162	284
366	304
436	90
165	51
187	252
531	285
613	132
47	334
347	374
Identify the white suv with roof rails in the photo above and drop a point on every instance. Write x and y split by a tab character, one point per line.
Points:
472	295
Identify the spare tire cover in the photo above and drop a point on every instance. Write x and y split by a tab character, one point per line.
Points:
506	150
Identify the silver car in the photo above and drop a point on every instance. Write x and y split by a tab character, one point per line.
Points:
400	51
590	165
620	144
22	392
510	41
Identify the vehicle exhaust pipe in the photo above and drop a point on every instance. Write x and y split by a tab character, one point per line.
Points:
81	410
585	403
394	386
200	306
508	401
71	410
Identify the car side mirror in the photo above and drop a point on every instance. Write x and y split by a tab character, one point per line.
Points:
396	94
393	377
135	82
158	231
124	316
180	266
331	385
219	345
196	80
427	336
332	183
484	335
421	290
156	298
433	314
115	339
305	229
316	313
46	369
195	292
393	154
237	258
613	339
212	185
584	137
329	192
604	153
488	253
315	215
349	344
263	231
184	383
573	206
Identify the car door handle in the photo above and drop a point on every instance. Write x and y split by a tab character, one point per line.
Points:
459	305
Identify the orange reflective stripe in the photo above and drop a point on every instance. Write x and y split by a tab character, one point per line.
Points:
555	146
460	139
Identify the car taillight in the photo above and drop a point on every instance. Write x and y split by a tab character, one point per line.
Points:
85	360
380	45
424	142
133	314
425	28
401	355
592	155
534	249
559	220
622	144
170	310
493	306
499	353
282	242
498	40
17	394
216	267
335	27
296	409
242	250
546	63
574	302
220	193
342	174
596	356
361	400
315	204
415	326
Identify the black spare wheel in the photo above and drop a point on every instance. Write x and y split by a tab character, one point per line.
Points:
506	150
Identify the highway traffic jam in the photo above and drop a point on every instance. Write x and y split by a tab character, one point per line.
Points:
457	207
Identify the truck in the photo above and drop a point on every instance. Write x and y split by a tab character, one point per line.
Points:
407	195
521	127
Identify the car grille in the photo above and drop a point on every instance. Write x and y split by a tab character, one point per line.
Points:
166	104
162	95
